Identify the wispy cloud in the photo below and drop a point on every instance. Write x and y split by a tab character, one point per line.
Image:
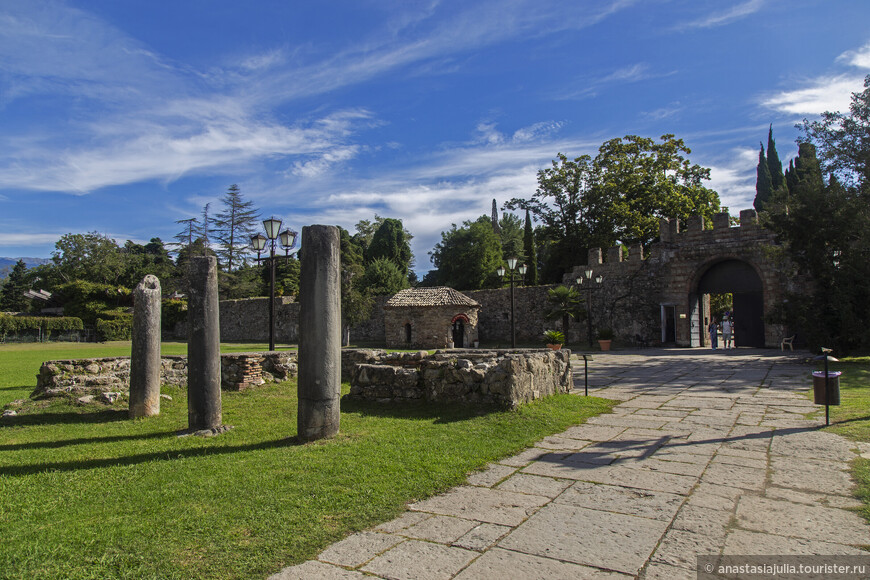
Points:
724	17
734	178
859	58
591	86
831	92
828	93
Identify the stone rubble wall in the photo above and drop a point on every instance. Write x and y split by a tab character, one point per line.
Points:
239	371
507	378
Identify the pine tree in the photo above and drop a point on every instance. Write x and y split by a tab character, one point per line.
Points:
233	227
773	163
763	185
530	252
204	230
186	236
12	295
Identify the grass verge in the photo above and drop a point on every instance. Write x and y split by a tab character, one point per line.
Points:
87	493
851	418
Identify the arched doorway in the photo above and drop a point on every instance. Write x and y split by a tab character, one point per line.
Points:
408	333
739	279
459	330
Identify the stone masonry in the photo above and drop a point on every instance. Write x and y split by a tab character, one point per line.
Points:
505	378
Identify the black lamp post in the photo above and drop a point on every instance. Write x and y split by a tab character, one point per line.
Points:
589	288
287	239
512	265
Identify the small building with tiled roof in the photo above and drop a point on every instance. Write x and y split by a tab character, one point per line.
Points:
430	318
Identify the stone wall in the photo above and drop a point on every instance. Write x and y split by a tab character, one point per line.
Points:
504	378
93	376
530	309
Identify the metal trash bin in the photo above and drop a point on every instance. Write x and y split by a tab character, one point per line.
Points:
819	388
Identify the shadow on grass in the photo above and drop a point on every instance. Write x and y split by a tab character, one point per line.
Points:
49	418
168	455
422	411
84	441
28	388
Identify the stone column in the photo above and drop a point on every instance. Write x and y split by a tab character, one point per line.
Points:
145	353
203	346
319	333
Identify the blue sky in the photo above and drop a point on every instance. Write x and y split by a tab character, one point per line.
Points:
124	116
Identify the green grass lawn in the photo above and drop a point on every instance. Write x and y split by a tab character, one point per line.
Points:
851	418
87	493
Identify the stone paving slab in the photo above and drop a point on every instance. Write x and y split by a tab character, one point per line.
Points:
596	538
413	560
785	518
504	564
483	504
709	453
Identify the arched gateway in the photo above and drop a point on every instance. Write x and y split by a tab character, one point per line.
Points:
665	297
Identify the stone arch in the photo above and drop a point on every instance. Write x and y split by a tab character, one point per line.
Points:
744	280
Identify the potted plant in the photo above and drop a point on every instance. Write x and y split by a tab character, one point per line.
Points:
605	338
554	339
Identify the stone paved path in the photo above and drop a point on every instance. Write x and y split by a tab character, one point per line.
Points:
708	453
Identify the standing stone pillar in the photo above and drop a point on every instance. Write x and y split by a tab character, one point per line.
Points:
319	333
145	353
203	346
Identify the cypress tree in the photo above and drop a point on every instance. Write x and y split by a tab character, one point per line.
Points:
790	176
773	162
806	166
763	186
530	252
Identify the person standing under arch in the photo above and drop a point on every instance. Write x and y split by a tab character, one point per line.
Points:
727	333
713	330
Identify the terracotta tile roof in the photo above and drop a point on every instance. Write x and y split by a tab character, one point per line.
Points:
440	296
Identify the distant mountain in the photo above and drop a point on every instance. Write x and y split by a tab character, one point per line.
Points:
6	264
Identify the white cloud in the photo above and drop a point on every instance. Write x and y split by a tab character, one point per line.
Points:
859	58
726	17
734	179
591	86
828	93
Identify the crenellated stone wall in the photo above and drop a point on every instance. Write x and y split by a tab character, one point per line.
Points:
504	378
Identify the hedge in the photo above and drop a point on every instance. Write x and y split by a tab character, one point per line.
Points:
47	324
115	325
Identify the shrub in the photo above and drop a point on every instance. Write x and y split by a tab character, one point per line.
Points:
47	324
115	325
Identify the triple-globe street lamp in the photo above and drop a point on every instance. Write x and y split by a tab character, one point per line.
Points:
589	288
521	269
287	239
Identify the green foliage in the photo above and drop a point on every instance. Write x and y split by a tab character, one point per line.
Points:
512	237
233	227
392	243
115	325
842	141
89	300
565	304
139	261
617	197
92	257
356	301
774	165
47	324
554	337
530	252
826	231
383	277
467	258
172	311
763	184
220	507
12	297
605	334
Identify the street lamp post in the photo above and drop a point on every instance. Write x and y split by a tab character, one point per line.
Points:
287	239
589	288
512	266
